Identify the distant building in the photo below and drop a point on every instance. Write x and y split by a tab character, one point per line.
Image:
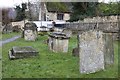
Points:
48	13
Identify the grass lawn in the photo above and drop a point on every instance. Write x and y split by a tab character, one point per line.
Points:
9	35
49	64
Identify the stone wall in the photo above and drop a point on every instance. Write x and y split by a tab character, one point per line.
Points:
19	23
107	24
85	26
106	19
102	19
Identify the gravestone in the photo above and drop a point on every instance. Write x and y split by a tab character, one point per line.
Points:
109	49
91	46
16	28
75	52
30	32
58	42
115	36
7	28
67	32
22	52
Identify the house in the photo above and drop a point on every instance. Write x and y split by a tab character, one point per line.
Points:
50	11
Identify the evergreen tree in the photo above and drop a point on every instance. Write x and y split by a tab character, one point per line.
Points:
81	10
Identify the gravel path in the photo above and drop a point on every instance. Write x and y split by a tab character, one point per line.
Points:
9	40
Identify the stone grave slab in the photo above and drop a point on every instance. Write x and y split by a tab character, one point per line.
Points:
58	42
22	52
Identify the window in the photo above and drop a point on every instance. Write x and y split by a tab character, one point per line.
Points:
60	16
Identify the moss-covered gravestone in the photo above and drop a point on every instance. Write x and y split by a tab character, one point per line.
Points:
95	51
30	32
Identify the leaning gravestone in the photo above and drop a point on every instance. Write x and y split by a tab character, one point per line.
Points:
91	52
22	52
30	32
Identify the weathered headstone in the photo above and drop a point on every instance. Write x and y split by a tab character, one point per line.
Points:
7	28
115	36
58	42
109	49
67	32
30	32
22	52
91	52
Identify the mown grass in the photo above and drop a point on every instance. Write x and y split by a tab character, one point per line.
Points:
8	35
49	64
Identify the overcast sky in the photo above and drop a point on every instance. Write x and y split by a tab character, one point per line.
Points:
12	3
